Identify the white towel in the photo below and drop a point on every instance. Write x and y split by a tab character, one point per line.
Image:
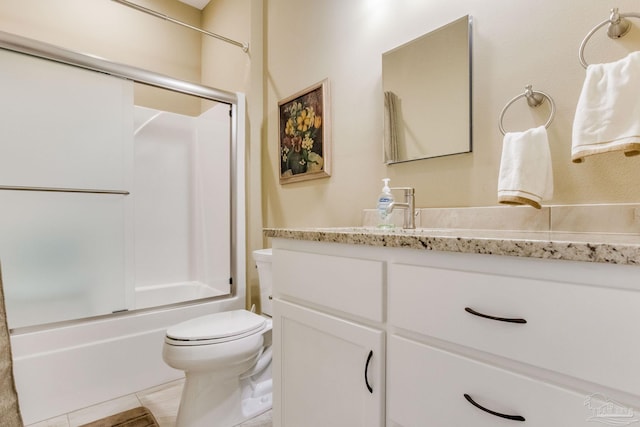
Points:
526	176
608	112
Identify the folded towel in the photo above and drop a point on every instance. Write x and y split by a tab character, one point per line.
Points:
526	176
608	112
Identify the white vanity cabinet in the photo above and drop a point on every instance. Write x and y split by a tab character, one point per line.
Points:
466	339
328	341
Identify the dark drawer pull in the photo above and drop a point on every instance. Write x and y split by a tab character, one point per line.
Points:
497	414
366	372
501	319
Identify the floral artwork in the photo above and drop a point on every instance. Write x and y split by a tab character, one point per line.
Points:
304	145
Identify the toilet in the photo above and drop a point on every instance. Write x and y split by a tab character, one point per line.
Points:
226	358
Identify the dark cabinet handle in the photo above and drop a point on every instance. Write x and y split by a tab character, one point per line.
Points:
497	414
366	372
501	319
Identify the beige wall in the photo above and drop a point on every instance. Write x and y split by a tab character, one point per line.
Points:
515	43
120	34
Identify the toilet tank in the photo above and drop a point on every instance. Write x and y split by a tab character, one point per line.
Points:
262	257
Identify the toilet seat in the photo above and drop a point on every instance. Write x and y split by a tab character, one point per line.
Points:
215	328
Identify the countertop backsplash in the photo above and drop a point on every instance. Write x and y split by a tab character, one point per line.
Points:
596	218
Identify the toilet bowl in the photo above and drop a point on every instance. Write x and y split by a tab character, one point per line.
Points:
226	358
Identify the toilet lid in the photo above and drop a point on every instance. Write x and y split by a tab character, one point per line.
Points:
217	326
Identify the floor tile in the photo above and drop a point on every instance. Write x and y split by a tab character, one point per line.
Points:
263	420
102	410
163	402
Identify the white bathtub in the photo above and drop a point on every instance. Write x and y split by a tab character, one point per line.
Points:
73	366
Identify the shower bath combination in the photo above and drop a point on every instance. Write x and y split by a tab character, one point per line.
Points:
134	225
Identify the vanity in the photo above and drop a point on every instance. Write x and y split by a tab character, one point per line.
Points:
433	327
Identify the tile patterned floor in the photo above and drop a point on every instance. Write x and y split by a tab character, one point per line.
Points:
162	401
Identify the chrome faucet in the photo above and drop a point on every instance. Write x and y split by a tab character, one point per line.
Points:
408	205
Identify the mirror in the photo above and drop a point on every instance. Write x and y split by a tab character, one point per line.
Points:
427	95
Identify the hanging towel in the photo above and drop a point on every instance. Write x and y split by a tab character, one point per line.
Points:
608	112
526	177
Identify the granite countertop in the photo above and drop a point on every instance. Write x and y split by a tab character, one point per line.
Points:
590	247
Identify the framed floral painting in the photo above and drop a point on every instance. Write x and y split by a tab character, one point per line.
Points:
303	139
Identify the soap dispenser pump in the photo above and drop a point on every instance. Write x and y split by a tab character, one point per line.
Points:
384	200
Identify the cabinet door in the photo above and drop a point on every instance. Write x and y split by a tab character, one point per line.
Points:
323	372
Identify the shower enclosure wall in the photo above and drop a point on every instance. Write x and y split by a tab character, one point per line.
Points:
117	222
181	202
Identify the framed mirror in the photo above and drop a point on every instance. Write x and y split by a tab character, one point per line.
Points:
427	95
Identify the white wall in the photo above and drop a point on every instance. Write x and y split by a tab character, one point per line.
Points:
515	43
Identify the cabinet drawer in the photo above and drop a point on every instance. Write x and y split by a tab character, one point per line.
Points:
351	285
584	331
426	387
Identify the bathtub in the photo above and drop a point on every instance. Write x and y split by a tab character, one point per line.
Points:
72	366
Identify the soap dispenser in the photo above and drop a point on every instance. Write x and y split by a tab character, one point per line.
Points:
384	200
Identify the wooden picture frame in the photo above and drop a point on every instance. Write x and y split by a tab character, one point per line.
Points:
304	134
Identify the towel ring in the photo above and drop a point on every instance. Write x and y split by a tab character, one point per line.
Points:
618	27
534	99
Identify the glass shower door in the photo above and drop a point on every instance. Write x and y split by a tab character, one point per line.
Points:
65	171
61	255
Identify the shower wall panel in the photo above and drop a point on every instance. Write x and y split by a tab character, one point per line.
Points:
182	199
212	201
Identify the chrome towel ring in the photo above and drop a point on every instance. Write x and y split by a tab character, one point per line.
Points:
534	98
618	27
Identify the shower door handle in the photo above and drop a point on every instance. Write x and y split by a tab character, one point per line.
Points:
366	372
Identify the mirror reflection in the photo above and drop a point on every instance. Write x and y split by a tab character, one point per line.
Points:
427	95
